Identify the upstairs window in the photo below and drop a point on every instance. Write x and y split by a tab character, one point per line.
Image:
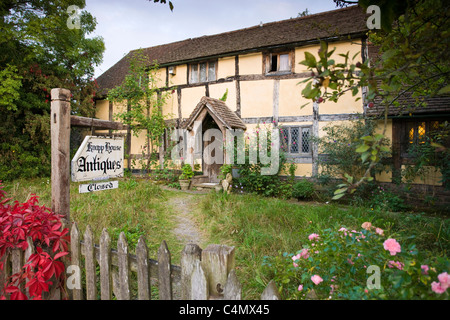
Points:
278	63
203	72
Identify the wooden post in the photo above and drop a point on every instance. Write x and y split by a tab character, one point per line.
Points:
60	152
217	262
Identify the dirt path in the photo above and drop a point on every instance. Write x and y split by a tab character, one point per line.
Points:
186	230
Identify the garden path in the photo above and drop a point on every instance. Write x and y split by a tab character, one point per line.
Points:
186	229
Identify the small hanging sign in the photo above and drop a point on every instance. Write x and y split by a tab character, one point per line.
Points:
98	158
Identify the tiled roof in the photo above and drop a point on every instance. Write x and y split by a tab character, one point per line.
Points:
220	110
334	25
407	103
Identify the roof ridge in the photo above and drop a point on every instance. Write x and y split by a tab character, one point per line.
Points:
323	13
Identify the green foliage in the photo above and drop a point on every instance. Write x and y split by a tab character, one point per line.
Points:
187	172
303	190
131	231
140	92
412	64
340	264
341	148
251	178
224	170
39	52
381	199
225	96
434	151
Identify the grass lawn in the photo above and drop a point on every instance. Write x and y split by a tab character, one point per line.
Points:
256	226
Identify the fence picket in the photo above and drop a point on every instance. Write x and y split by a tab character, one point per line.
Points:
105	266
164	277
91	277
271	292
190	255
199	284
203	274
124	268
233	289
143	270
75	248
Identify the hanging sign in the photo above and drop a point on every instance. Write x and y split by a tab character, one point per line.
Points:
98	186
98	158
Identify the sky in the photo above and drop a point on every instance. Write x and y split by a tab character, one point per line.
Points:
133	24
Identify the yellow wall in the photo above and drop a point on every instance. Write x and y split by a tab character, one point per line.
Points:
353	48
190	97
170	108
102	109
250	64
346	104
180	76
291	100
226	68
161	78
218	90
257	98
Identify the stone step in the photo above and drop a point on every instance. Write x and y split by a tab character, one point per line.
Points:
205	185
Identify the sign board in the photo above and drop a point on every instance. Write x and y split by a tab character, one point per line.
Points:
98	158
98	186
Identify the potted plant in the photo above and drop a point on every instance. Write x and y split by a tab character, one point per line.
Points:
185	177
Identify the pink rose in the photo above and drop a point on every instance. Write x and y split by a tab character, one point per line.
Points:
300	287
313	236
379	231
316	279
392	246
436	287
444	280
295	258
304	254
424	268
399	265
366	225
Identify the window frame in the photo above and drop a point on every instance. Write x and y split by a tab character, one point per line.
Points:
198	66
301	129
407	125
268	62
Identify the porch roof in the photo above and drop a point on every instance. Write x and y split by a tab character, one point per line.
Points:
219	110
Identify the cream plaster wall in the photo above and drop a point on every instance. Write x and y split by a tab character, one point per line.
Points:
250	64
291	100
256	98
190	97
218	90
180	76
226	67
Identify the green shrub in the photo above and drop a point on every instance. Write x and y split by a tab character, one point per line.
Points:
303	190
187	172
358	265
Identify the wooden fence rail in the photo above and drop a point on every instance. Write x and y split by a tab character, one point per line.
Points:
202	275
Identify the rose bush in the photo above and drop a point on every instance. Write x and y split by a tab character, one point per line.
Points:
44	269
343	264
